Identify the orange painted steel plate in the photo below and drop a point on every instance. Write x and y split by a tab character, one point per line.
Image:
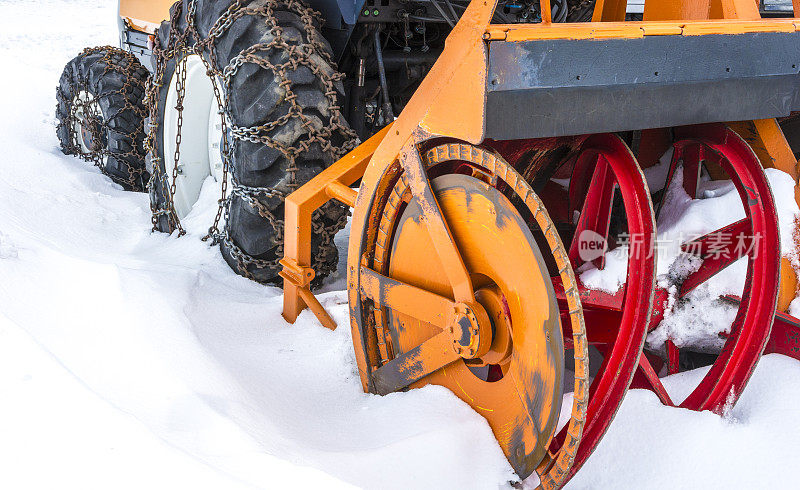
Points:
145	15
602	30
523	406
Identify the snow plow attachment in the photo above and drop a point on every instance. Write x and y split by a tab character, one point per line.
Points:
509	224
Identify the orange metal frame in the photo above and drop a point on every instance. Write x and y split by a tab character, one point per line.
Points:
450	102
333	183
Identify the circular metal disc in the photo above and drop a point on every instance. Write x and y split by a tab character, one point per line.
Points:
523	405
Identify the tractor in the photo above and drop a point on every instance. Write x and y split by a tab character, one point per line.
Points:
509	166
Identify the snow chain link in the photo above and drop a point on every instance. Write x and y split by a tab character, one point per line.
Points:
299	55
100	125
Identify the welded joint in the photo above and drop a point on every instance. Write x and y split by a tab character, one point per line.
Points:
495	34
342	193
301	277
295	273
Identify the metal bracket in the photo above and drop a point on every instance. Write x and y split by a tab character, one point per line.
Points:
300	277
332	183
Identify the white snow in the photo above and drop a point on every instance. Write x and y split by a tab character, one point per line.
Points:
138	360
146	352
650	446
699	321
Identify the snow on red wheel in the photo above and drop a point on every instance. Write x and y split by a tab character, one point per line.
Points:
716	153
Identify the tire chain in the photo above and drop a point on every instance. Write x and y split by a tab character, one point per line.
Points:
178	44
132	72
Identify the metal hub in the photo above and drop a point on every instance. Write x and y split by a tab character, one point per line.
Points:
91	134
496	306
192	131
88	124
471	330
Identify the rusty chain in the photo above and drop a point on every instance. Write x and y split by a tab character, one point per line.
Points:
213	231
180	88
85	113
305	55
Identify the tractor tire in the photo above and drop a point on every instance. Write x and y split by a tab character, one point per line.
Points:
282	98
101	113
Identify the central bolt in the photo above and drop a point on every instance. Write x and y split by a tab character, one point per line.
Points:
471	330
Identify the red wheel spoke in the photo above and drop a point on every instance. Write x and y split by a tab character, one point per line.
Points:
693	157
591	298
729	235
673	166
652	380
601	310
690	157
602	327
673	358
595	215
718	250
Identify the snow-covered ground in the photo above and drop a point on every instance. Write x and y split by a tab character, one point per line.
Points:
137	360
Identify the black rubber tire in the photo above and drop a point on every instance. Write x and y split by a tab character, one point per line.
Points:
117	81
262	175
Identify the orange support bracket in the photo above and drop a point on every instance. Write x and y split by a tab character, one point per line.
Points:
547	11
609	10
332	183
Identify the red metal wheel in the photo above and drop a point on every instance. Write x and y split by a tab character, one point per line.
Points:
755	237
615	323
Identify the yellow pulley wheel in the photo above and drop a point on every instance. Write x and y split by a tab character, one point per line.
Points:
453	288
519	393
